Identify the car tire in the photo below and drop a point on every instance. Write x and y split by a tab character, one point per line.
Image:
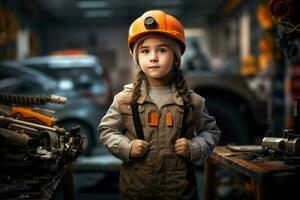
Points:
234	126
85	130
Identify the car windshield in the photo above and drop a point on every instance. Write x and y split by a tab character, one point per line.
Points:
70	78
76	74
71	72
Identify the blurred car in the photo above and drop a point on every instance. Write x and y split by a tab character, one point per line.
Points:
77	75
79	110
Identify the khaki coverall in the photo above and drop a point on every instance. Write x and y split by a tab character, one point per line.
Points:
160	174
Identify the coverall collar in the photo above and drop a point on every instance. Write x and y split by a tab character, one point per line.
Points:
145	97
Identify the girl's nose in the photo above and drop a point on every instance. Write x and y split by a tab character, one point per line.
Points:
153	57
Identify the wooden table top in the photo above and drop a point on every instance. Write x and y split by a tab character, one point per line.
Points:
259	170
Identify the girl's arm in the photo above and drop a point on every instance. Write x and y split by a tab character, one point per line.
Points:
111	136
207	135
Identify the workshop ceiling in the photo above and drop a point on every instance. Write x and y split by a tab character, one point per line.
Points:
118	12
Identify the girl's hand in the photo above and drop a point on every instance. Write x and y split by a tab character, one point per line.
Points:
182	147
139	148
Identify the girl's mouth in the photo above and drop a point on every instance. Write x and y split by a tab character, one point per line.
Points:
153	67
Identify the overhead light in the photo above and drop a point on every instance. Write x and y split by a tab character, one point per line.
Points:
98	13
92	4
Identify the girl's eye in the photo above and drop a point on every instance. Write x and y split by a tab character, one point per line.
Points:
162	50
144	51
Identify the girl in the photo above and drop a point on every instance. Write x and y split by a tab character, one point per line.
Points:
157	126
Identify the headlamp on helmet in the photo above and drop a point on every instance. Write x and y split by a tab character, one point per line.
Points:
156	21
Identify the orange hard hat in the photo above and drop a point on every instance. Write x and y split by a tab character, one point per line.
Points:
156	21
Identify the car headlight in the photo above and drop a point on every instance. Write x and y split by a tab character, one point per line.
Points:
66	84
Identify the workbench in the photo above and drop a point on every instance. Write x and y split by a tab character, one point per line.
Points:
271	179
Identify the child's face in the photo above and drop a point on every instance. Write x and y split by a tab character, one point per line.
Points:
156	60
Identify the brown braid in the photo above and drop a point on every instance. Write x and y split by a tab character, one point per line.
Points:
181	85
137	85
183	89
